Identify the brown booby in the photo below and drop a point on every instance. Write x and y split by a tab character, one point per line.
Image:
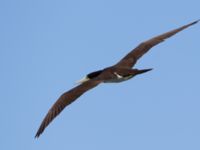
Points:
117	73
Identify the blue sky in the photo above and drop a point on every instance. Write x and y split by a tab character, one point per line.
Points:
47	45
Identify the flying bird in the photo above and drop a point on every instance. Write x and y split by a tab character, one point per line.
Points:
119	72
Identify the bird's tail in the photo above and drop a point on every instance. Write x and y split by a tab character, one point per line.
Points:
143	71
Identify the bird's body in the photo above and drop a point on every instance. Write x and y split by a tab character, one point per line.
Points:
114	74
119	72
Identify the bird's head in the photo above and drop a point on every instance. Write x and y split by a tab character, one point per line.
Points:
89	76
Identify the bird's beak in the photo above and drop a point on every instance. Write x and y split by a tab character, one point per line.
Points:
85	79
143	71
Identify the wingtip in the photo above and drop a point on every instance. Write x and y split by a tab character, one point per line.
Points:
198	20
37	136
190	24
195	22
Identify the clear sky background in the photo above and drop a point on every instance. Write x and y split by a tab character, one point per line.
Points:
46	45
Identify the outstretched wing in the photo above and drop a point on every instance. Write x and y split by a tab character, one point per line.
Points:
131	58
64	100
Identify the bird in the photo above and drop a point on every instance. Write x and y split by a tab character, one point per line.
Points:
119	72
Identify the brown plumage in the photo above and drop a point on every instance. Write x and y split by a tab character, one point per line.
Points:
131	58
120	72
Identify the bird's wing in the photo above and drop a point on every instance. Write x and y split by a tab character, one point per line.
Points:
64	100
131	58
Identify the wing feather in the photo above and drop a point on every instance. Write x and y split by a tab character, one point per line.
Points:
131	58
64	100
